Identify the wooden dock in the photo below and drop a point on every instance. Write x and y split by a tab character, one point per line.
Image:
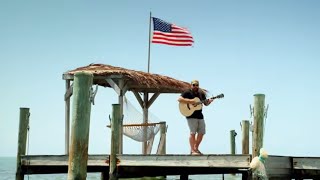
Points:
115	165
128	166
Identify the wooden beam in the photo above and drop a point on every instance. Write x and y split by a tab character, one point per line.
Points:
124	87
222	161
114	86
112	76
67	76
278	167
138	97
172	160
152	99
69	90
153	90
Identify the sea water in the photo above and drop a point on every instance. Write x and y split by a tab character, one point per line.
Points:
8	170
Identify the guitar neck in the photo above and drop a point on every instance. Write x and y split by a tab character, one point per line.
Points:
214	97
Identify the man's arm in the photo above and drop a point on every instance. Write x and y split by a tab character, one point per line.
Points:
208	102
186	100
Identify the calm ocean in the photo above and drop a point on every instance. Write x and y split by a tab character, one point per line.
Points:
8	168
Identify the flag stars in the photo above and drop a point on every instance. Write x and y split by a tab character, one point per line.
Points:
170	34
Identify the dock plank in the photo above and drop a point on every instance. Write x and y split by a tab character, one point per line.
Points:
306	163
219	161
61	160
281	167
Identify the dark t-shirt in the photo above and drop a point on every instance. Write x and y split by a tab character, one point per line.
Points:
189	94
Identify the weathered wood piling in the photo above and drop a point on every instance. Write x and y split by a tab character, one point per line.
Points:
115	128
245	136
22	139
81	110
162	144
258	116
233	135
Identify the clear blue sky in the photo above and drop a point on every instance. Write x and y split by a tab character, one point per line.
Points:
241	48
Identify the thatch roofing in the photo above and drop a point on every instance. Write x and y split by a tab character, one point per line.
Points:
138	81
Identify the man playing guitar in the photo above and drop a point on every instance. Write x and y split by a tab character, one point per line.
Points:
196	121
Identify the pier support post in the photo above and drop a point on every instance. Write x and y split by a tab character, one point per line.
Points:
162	143
258	115
78	152
115	128
247	175
245	136
233	135
22	139
184	177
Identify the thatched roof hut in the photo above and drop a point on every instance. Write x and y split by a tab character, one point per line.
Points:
137	81
122	80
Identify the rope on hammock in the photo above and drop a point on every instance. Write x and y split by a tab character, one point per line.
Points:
133	125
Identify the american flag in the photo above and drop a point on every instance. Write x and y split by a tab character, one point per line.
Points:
170	34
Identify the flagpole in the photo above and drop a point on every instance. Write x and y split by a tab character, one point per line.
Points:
149	43
146	97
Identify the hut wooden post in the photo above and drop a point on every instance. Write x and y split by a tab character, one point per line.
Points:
67	115
22	140
78	154
115	128
233	134
258	115
245	136
145	121
119	85
122	92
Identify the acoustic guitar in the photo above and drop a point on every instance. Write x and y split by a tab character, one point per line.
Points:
188	109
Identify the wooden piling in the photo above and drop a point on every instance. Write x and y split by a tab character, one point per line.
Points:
22	140
245	136
184	177
233	134
247	175
81	108
258	115
115	128
162	144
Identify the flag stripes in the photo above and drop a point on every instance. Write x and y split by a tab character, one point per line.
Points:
170	34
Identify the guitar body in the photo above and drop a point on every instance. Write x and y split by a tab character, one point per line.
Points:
188	109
